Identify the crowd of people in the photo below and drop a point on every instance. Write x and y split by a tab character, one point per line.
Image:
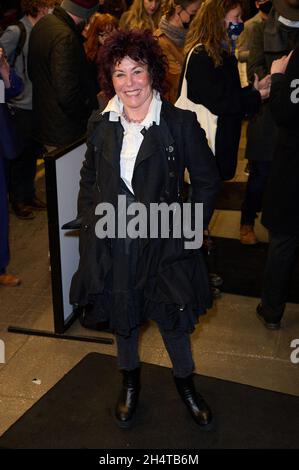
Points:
116	69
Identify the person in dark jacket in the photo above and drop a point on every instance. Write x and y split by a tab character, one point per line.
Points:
138	148
63	95
113	7
280	210
15	42
13	86
271	40
213	78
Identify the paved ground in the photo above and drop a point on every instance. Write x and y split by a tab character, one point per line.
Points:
228	343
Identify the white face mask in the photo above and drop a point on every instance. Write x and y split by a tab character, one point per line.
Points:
290	23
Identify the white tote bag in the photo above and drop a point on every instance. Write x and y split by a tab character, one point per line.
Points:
206	119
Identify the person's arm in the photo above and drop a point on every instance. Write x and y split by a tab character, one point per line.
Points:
201	164
284	95
9	41
4	69
12	82
88	175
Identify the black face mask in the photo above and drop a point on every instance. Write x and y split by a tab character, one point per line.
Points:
186	24
265	7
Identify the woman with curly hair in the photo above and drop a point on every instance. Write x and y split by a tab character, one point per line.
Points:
143	14
171	34
138	148
213	79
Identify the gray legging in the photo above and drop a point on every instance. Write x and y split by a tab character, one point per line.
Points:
176	342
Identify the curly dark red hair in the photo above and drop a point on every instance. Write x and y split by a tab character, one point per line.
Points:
140	46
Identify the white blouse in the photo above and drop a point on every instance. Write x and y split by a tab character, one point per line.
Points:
132	133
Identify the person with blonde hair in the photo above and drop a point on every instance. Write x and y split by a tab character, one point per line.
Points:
171	34
143	14
213	79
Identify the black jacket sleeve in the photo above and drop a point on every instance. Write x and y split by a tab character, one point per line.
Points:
284	95
88	173
201	164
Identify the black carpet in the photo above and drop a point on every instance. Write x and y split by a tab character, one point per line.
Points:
76	413
231	196
242	267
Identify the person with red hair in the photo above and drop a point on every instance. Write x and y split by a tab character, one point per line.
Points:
138	148
100	26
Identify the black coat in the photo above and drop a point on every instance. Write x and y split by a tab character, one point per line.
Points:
63	91
219	90
280	211
270	41
167	272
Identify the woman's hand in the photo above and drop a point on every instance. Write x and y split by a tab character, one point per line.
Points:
280	65
263	86
4	68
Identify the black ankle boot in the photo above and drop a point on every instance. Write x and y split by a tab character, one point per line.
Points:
195	403
128	398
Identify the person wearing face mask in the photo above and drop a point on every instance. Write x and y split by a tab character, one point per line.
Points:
143	14
213	79
280	207
245	38
270	40
113	7
63	91
171	34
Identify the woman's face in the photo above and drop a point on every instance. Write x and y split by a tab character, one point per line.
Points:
188	13
233	16
151	6
132	84
105	33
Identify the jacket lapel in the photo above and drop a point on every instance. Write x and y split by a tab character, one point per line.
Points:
156	138
149	145
109	140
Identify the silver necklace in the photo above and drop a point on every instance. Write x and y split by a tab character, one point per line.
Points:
134	121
